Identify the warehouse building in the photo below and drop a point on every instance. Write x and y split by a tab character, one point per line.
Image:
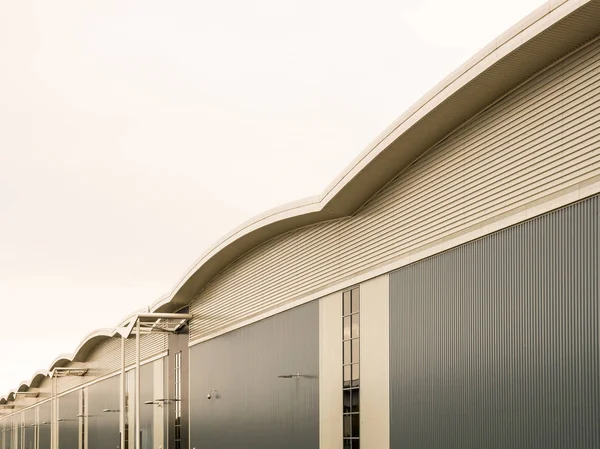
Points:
441	293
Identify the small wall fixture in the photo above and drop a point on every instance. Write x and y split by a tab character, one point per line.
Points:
292	376
28	394
111	410
153	402
216	394
160	402
66	371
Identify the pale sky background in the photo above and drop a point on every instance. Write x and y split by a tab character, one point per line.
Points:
135	133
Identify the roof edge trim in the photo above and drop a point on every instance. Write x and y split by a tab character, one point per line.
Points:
539	21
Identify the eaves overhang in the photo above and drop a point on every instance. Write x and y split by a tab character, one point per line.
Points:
539	40
536	42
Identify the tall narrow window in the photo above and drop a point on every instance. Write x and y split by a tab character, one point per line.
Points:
178	400
351	367
128	377
83	416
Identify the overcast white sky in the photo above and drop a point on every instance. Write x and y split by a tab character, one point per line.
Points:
133	134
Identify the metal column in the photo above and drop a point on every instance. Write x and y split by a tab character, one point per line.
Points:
122	401
137	386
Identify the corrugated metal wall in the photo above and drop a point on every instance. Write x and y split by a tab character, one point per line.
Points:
495	344
5	434
15	434
7	428
543	137
68	427
103	428
102	360
29	429
253	408
147	412
45	416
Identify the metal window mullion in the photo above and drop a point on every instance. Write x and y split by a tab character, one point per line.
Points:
355	389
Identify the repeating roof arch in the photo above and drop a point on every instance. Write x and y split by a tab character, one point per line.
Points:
537	41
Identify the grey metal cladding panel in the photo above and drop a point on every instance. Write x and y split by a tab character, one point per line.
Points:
495	344
3	432
29	429
45	415
68	427
16	432
103	427
29	437
147	410
7	435
256	409
540	138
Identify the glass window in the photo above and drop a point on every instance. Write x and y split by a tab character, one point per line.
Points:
347	376
355	326
347	327
83	416
355	300
347	352
355	425
348	425
355	407
355	351
351	368
178	400
355	375
347	401
346	306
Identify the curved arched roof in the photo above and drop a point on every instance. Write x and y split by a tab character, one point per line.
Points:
537	41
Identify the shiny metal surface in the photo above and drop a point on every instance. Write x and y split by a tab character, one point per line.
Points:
68	422
251	406
495	344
